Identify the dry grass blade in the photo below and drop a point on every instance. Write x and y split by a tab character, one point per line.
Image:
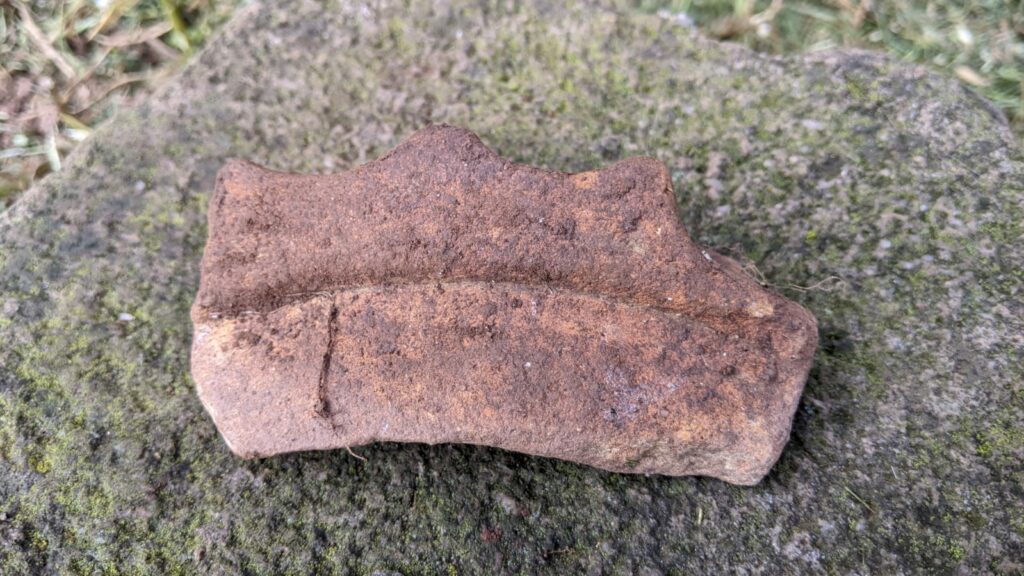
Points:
106	89
65	94
829	284
354	455
971	77
163	51
112	13
857	13
133	37
768	15
39	39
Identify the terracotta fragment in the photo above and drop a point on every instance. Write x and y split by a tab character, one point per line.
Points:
445	294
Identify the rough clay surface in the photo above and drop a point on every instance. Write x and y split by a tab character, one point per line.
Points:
907	451
445	294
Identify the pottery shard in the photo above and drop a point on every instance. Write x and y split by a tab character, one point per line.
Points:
445	294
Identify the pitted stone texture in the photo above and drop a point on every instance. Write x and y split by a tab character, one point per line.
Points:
443	294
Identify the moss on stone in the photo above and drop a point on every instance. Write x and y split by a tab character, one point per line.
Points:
907	450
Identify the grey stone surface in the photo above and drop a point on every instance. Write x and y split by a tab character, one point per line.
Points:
885	199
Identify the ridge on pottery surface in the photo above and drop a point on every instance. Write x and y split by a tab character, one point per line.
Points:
445	294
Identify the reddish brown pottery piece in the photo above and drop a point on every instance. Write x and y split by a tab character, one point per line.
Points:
445	294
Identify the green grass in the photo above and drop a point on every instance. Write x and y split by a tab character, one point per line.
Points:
981	42
66	66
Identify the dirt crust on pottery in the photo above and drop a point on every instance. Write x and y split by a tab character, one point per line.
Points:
443	294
